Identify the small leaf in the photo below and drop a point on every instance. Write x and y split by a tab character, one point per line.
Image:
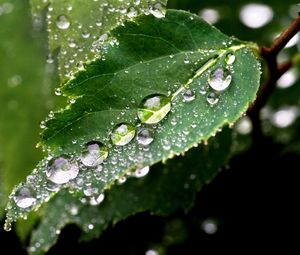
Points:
143	59
165	189
78	28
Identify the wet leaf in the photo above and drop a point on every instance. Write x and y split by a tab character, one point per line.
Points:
144	62
166	188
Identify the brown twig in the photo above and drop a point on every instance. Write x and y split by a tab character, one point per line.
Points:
275	72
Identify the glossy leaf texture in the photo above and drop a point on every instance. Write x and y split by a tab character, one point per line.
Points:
78	27
166	188
208	77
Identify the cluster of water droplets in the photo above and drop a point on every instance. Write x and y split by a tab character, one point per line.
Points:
81	39
64	170
219	79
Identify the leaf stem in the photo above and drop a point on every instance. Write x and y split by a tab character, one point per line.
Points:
276	70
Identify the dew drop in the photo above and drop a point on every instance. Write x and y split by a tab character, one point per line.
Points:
203	89
122	134
85	34
72	43
157	10
7	226
229	59
189	95
43	124
61	170
25	197
98	23
57	92
154	108
141	172
121	180
186	60
132	12
145	136
97	200
212	98
62	22
94	154
219	79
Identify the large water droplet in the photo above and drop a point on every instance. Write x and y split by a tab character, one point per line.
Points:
122	134
61	170
189	95
25	197
145	136
212	98
154	108
94	154
219	79
62	22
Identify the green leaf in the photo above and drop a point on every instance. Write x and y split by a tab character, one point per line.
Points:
78	27
169	57
165	189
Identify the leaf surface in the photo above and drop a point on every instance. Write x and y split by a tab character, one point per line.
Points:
173	57
166	188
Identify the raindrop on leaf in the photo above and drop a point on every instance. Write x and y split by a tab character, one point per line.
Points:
154	108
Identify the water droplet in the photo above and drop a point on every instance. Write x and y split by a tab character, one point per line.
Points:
186	60
61	170
189	95
132	12
7	225
122	134
122	180
97	200
212	98
94	154
141	172
43	124
85	34
62	22
229	59
145	136
157	10
25	197
57	91
219	79
203	89
154	108
72	43
166	145
98	23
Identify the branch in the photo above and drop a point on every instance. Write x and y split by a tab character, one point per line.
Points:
275	72
283	39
